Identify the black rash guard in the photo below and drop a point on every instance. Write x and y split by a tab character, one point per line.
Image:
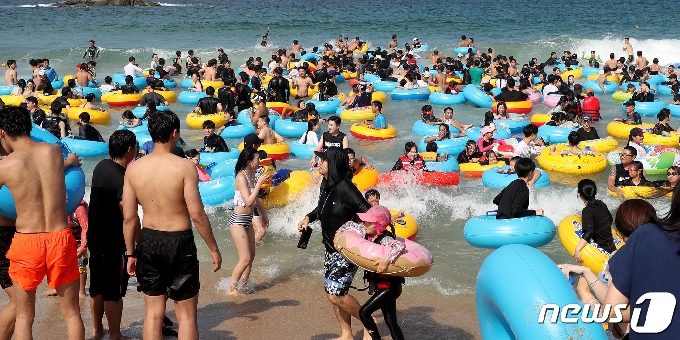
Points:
281	89
227	98
208	105
596	225
339	199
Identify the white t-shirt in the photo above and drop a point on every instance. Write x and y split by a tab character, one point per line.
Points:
522	150
312	138
131	70
154	64
549	89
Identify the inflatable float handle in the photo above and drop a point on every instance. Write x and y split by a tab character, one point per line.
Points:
489	213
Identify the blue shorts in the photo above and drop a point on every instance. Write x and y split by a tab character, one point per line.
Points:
338	274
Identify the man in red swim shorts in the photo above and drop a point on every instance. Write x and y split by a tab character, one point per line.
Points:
43	244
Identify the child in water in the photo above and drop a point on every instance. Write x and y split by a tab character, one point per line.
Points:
384	289
511	170
373	198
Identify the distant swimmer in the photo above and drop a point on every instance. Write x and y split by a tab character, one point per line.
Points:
91	52
11	73
463	41
393	43
296	47
263	42
629	49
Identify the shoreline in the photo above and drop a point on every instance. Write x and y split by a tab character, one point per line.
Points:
293	307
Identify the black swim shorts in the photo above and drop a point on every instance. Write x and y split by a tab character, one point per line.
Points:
6	236
108	274
167	264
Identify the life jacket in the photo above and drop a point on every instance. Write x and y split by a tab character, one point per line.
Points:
381	281
591	104
51	124
429	156
406	164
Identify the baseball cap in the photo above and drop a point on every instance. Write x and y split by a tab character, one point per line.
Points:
460	54
630	103
636	132
415	39
252	139
378	215
587	117
486	130
41	72
332	73
78	65
321	154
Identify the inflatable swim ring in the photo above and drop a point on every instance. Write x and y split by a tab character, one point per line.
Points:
302	150
96	92
85	148
515	123
422	128
511	310
476	169
521	107
326	106
653	139
476	96
413	94
452	146
119	99
571	164
365	179
576	72
218	191
219	157
557	134
464	50
284	108
277	151
169	96
96	116
439	98
244	117
7	90
647	109
405	226
385	86
488	232
357	113
663	90
140	111
588	71
289	190
610	78
289	128
608	85
621	96
449	165
602	145
594	257
415	260
622	130
237	131
190	97
195	121
494	179
365	132
540	119
401	177
675	110
656	162
639	192
551	100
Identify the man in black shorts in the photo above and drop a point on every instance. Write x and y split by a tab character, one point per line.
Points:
164	258
108	279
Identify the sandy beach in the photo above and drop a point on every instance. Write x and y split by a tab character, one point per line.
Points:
284	308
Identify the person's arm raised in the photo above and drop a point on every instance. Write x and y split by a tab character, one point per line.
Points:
192	198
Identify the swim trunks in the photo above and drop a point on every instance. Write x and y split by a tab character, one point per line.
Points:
6	235
108	274
338	274
167	264
32	256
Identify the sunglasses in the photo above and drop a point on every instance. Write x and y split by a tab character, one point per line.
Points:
625	155
671	173
632	169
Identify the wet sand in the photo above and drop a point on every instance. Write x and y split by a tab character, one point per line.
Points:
284	308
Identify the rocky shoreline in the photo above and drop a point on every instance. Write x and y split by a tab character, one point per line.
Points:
85	3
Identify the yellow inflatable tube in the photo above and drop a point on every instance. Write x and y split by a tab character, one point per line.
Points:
357	113
594	257
96	116
170	96
288	191
311	91
10	100
601	145
577	73
365	179
277	151
622	130
571	164
642	192
653	139
375	95
540	118
365	132
214	83
349	75
405	226
195	121
612	78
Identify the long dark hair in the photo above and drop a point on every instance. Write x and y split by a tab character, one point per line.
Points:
671	222
247	155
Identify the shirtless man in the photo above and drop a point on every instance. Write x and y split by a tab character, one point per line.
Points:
628	48
44	244
434	56
210	71
83	78
261	110
296	47
603	78
302	84
167	266
266	133
440	78
611	62
641	62
463	41
354	44
393	43
11	73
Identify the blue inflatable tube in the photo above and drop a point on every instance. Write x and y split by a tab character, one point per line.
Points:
141	128
476	96
85	148
309	56
647	109
190	97
493	179
220	169
371	78
288	128
57	84
97	93
7	90
557	134
624	86
439	98
339	78
119	78
675	110
474	133
39	134
218	157
657	79
452	146
513	284
302	150
385	86
593	84
515	124
139	111
463	50
422	48
663	89
449	165
326	106
589	70
563	67
413	94
237	131
170	84
187	83
488	232
422	128
73	176
218	191
244	118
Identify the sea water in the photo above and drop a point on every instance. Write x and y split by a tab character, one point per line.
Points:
523	29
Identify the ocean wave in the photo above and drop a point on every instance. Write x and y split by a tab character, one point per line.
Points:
165	4
37	5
